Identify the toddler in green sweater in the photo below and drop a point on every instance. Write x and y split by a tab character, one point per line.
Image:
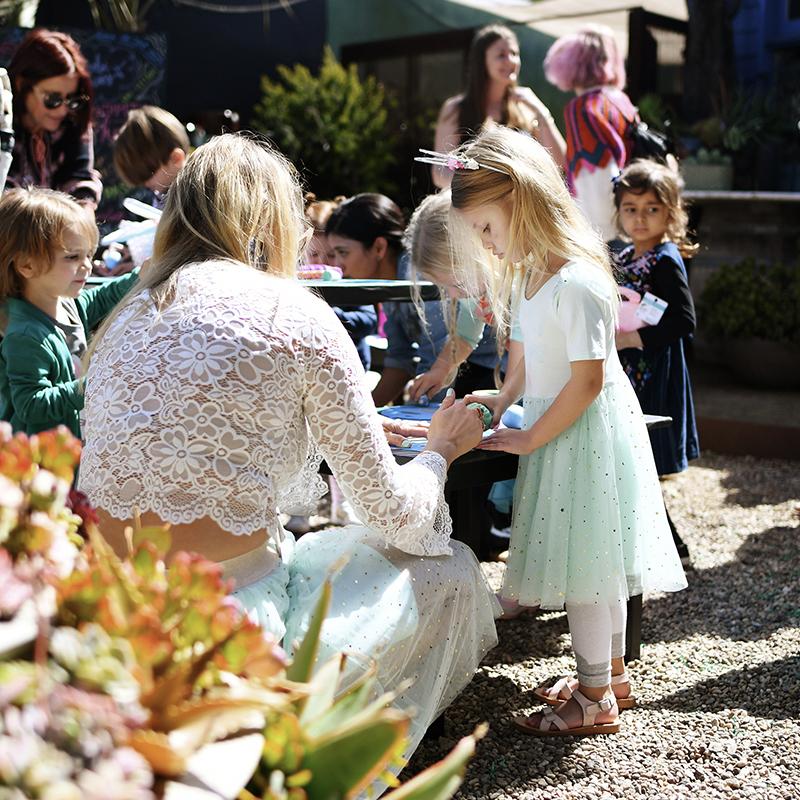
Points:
46	246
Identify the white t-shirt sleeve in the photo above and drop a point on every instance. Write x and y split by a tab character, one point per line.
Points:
585	316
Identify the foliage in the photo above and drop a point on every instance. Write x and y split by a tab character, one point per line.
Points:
711	157
331	125
115	672
753	300
122	16
749	118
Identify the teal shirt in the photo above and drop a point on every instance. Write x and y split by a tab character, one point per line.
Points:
38	388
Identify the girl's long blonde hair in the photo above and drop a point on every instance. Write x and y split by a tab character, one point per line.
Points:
428	241
237	199
544	218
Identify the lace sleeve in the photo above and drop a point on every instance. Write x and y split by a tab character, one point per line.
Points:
405	504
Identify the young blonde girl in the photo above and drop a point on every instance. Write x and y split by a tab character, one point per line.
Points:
469	320
46	245
589	529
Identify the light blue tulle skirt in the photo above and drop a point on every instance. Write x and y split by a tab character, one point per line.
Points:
589	523
424	620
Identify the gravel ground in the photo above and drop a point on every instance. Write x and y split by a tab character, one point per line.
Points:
718	683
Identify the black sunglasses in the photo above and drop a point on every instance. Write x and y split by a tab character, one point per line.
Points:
54	100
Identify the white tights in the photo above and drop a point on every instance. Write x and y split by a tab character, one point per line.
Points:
598	635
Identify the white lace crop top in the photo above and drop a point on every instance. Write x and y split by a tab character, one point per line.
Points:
223	404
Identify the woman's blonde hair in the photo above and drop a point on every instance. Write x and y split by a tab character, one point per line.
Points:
516	170
32	226
649	176
237	199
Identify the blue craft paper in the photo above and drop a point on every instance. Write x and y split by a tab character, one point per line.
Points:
411	412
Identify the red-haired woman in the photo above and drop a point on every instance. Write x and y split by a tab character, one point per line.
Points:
597	118
52	117
492	94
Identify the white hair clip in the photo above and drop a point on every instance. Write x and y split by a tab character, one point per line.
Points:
451	161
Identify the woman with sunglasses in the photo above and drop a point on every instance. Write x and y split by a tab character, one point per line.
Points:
52	117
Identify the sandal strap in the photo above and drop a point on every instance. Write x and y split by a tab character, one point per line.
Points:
621	678
549	718
562	684
591	708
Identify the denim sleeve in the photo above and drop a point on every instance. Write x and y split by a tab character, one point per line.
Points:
400	343
359	321
432	337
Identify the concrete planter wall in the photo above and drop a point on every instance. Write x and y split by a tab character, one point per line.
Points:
765	364
718	177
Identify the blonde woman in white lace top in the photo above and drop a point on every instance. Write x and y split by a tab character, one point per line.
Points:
213	393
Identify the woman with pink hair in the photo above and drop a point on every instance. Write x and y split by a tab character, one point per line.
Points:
590	64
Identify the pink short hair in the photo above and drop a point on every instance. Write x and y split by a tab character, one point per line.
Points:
587	58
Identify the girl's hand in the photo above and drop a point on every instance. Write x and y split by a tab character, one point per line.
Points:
455	429
396	430
507	440
431	382
496	403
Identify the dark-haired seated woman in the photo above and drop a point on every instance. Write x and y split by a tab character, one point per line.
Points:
52	117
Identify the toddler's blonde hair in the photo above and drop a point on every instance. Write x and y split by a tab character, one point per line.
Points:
32	226
544	218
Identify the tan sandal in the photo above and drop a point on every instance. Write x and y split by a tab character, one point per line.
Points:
590	708
512	609
564	688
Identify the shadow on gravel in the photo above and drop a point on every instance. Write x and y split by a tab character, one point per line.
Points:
766	690
505	752
746	599
530	636
749	481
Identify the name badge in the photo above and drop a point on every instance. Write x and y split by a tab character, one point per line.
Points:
651	309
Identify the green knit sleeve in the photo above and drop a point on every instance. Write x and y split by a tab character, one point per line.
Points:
38	402
95	304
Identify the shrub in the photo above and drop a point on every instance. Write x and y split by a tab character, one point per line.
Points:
753	300
331	125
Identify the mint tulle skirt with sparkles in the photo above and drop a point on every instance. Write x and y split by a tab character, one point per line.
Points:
424	620
589	523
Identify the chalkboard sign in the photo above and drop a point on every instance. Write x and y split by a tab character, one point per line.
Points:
127	72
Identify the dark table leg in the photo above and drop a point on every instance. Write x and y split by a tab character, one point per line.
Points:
633	632
466	513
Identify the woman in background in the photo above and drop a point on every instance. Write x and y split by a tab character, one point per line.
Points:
493	96
597	118
53	95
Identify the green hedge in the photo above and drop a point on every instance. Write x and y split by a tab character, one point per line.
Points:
752	300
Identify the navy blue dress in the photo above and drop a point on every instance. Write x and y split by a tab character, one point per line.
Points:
658	372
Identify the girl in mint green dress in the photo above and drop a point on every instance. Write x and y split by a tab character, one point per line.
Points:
589	528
